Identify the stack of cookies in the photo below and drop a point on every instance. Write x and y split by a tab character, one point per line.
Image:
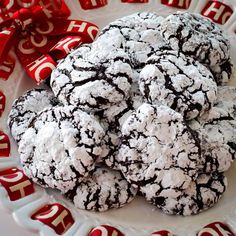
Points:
144	109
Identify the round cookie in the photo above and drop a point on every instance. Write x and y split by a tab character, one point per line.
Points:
137	34
200	195
170	78
217	133
26	107
102	190
157	145
226	99
93	79
60	147
196	36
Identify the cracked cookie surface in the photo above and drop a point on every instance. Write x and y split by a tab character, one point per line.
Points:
60	147
112	120
223	73
26	107
157	145
93	77
216	131
200	195
137	34
102	190
226	99
170	78
196	36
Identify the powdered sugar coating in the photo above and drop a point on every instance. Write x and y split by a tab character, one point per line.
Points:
197	37
102	190
26	107
60	147
93	77
217	132
173	79
157	145
200	195
222	73
226	99
137	34
112	120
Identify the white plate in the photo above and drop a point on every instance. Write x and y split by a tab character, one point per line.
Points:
138	218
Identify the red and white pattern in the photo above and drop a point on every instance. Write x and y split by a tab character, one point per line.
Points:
216	229
2	102
34	31
162	233
64	46
105	230
13	5
17	184
56	216
41	68
134	1
182	4
8	171
13	180
92	4
217	11
5	146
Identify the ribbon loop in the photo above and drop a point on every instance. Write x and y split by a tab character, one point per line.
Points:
22	19
42	34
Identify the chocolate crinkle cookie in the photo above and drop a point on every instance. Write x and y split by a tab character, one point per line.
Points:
102	190
170	78
25	108
143	109
138	34
216	131
197	37
60	147
200	195
93	78
158	146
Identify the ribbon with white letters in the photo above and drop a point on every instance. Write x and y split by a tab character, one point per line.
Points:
17	184
92	4
217	11
41	34
182	4
135	1
105	230
56	216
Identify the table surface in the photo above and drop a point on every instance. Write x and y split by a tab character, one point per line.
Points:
10	228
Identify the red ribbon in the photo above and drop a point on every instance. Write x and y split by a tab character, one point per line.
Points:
134	1
217	11
55	216
2	103
41	34
182	4
92	4
5	146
